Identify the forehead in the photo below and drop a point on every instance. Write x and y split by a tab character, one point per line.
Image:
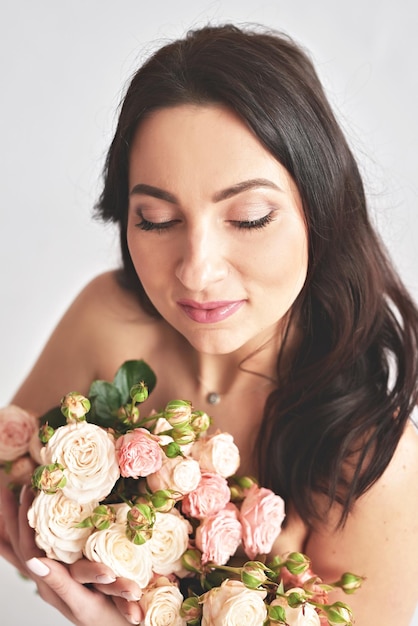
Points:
206	146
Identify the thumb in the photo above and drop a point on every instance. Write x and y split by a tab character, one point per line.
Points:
58	588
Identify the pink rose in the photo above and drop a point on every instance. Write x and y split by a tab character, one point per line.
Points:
21	470
217	453
16	429
139	453
211	496
261	515
219	536
180	474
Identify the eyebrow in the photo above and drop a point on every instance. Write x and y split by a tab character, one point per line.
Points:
224	194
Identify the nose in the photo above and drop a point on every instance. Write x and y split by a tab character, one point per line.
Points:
202	261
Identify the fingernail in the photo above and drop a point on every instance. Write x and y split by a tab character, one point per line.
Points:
22	493
105	579
131	597
132	620
37	567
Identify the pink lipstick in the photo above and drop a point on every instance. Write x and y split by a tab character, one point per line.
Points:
210	312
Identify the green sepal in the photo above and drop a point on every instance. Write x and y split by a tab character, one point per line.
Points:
130	374
276	614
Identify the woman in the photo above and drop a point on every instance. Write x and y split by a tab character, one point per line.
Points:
253	283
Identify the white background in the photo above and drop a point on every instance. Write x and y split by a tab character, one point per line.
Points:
63	68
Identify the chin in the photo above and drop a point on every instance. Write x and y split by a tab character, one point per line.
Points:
215	342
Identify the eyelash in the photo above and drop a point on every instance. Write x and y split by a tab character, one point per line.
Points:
241	225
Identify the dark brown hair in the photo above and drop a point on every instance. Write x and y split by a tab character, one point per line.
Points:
335	420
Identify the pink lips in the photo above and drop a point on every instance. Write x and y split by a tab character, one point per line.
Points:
209	312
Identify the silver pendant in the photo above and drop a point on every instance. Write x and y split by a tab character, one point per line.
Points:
213	397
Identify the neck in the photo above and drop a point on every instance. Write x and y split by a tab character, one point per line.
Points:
247	369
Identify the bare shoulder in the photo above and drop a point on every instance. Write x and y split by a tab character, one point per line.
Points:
99	331
379	541
104	294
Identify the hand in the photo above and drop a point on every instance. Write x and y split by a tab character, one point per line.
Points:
106	602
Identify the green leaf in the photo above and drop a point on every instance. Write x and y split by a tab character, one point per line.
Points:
105	401
54	418
130	374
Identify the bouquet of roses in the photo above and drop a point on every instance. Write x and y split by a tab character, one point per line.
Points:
159	501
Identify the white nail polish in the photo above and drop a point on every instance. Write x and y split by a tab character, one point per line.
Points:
104	579
37	567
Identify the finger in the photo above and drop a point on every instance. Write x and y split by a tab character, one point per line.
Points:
27	545
9	540
7	552
84	571
122	588
130	610
79	604
104	580
9	508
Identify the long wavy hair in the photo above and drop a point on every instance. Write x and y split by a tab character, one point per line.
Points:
333	423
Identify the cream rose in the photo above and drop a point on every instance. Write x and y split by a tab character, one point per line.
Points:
54	518
217	453
304	615
170	539
180	474
261	515
232	604
161	606
87	452
113	548
16	429
219	536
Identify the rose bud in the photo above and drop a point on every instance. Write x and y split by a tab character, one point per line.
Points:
172	450
253	574
45	433
184	435
246	482
192	561
338	614
49	478
102	516
200	422
297	563
139	392
239	485
128	414
191	611
178	412
296	597
74	407
276	613
349	583
276	564
162	500
140	520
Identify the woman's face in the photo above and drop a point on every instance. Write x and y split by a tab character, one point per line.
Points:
216	229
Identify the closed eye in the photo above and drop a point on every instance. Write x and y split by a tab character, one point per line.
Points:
157	226
253	224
